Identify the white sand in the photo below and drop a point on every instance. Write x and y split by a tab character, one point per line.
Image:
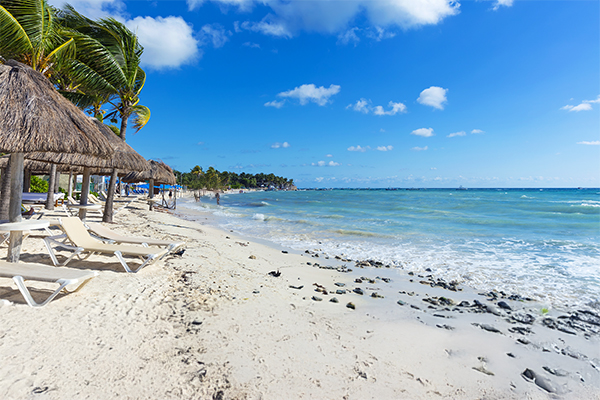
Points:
213	324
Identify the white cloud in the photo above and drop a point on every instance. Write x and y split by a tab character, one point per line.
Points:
168	42
334	17
278	145
251	45
348	36
461	133
200	143
275	103
424	132
420	148
216	34
477	132
326	164
594	143
385	148
395	109
306	93
434	96
433	168
358	148
329	155
94	8
586	105
505	3
319	179
378	34
364	106
361	105
267	28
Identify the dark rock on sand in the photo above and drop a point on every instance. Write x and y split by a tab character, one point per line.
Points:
276	274
523	330
542	382
483	370
504	305
340	291
351	306
339	284
375	295
488	328
464	303
297	287
522	318
447	327
315	298
358	291
400	302
557	371
334	300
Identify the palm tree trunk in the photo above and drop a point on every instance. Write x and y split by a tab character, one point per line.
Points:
108	207
5	192
27	181
51	184
123	131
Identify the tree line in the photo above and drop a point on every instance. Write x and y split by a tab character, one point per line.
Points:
213	179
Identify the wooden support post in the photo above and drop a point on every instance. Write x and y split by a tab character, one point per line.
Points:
14	208
110	195
85	190
70	187
151	192
27	181
51	184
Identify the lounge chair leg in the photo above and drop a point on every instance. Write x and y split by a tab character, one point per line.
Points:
25	292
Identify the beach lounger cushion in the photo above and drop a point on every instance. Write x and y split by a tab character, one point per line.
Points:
82	242
21	272
104	232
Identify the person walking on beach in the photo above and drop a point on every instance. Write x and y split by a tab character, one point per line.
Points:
218	197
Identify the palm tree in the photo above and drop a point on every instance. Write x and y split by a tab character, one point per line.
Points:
31	34
106	70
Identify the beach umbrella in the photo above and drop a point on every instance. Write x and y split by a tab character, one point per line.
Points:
34	117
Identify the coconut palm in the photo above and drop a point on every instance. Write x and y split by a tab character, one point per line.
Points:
106	70
31	34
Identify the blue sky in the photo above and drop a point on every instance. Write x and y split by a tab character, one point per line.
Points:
368	93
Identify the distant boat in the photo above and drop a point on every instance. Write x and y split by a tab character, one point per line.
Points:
461	188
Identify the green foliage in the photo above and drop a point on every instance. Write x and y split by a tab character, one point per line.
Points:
212	179
545	311
38	185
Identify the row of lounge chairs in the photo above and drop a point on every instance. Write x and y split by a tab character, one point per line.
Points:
77	239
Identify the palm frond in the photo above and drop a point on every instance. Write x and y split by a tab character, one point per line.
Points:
141	118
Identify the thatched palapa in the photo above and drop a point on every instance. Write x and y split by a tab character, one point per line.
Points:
34	117
160	172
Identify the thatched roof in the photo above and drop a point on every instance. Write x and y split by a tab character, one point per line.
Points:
125	158
35	117
159	171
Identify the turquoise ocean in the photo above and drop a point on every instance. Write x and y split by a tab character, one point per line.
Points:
541	243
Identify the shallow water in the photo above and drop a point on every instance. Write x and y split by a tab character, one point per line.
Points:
539	243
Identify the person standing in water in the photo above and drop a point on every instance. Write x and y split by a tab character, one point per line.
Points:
218	197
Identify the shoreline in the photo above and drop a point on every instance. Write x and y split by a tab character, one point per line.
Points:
215	324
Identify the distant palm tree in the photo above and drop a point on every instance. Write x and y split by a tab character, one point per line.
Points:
31	34
106	70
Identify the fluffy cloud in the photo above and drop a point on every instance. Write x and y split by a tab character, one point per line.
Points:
500	3
586	105
348	36
477	132
461	133
306	93
361	105
329	155
267	27
434	96
278	145
251	45
275	103
334	17
424	132
168	42
385	148
594	143
94	8
420	148
364	106
326	164
358	148
215	34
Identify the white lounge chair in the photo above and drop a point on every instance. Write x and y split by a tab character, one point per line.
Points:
106	234
82	242
21	272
